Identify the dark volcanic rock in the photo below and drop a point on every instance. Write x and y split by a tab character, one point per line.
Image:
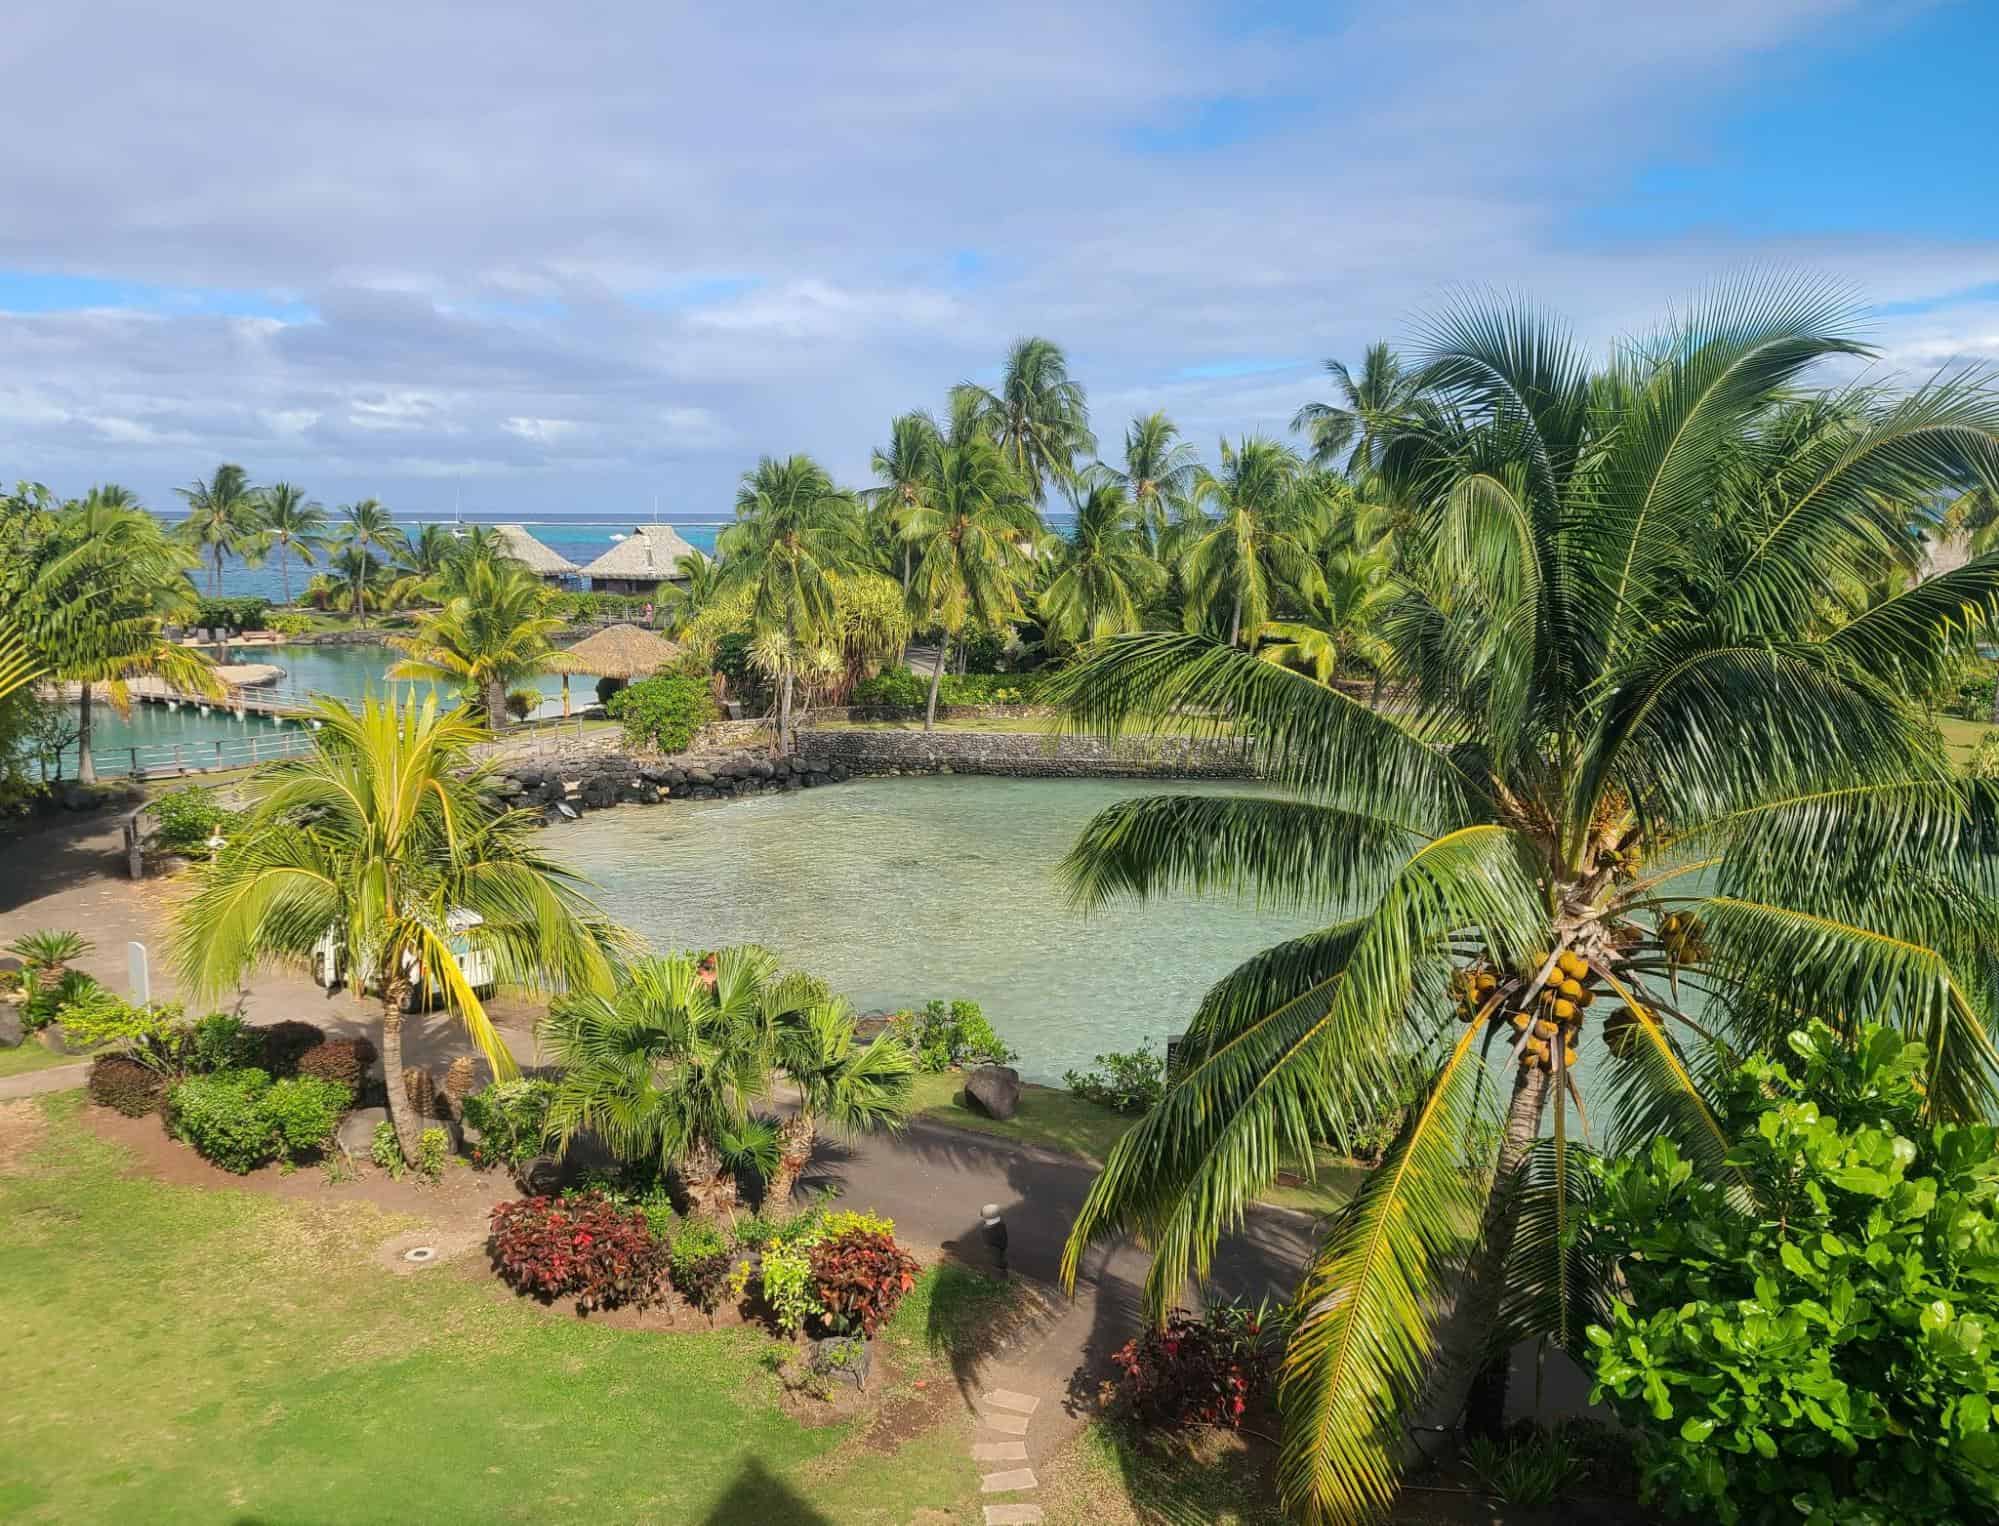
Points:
994	1090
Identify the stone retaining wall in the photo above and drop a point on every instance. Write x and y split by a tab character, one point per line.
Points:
1022	754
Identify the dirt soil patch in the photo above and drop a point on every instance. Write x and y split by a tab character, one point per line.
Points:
22	1126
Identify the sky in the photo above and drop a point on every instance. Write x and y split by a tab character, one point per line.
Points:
545	260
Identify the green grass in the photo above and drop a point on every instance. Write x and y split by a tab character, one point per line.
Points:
194	1355
31	1056
1110	1476
1054	1119
1961	736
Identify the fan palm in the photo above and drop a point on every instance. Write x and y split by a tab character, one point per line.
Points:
1632	769
665	1068
1105	572
1160	470
385	839
972	541
854	1088
794	533
222	519
94	587
1259	539
492	633
368	528
1349	434
292	523
1038	417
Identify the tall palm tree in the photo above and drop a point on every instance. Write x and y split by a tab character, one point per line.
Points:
1633	768
1258	540
368	528
1350	433
1039	418
94	588
696	584
222	518
386	839
492	634
1105	571
855	1088
906	468
666	1067
1160	471
794	533
972	543
421	562
292	523
1341	625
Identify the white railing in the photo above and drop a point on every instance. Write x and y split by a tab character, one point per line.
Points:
170	759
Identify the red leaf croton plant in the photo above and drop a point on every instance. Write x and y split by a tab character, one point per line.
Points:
1650	780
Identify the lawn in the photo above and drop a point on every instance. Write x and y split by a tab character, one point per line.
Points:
186	1354
30	1055
1961	736
1059	1120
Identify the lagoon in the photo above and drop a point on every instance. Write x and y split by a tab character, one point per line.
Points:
896	891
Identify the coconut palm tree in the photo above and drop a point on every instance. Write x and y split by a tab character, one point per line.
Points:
368	528
292	523
96	586
665	1068
852	1087
385	838
906	468
1105	571
421	563
1258	540
492	633
223	519
1634	770
1038	417
794	533
972	543
1349	434
1160	471
696	584
1341	625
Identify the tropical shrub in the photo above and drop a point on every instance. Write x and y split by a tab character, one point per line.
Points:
158	1037
511	1118
386	1150
1126	1081
286	1043
1984	760
1528	1467
223	1041
347	1061
238	614
48	999
860	1275
785	1270
126	1085
188	818
522	703
892	687
948	1035
239	1119
44	955
663	712
899	688
699	1263
290	624
583	1245
433	1148
1212	1369
1822	1350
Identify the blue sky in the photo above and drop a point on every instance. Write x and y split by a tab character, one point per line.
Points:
565	269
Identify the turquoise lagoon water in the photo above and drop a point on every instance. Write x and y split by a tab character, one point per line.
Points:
899	890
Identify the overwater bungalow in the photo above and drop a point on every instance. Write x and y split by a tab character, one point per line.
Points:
640	562
533	555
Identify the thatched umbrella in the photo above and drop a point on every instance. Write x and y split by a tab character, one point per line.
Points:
617	651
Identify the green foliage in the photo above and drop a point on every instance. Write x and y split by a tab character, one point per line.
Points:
785	1271
244	613
223	1041
663	712
1126	1081
44	953
49	999
158	1037
950	1035
512	1120
239	1119
521	703
598	606
433	1148
1826	1353
188	818
1984	760
385	1150
291	624
895	686
1529	1468
901	689
698	1262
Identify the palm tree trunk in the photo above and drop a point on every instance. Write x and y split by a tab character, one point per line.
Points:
711	1184
1467	1335
86	766
936	678
496	705
1995	696
285	572
1235	620
784	715
795	1138
394	991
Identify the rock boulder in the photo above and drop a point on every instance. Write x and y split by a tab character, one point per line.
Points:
993	1090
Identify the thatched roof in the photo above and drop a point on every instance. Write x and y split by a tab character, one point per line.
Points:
619	651
646	555
532	554
1944	553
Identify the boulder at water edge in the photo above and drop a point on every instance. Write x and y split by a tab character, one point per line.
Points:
993	1090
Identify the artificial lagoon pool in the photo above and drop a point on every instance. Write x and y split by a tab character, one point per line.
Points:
899	890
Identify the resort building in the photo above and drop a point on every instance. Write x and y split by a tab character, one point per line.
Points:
640	562
533	555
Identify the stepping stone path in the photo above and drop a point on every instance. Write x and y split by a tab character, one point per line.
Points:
1006	1413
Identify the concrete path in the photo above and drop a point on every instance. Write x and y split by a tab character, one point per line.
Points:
33	1083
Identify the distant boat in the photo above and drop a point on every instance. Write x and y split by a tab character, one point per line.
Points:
616	536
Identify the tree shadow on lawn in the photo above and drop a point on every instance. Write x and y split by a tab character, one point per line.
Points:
758	1497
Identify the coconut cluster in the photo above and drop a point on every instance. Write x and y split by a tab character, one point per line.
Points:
1554	1022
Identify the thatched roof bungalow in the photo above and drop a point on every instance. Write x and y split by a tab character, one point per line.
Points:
624	652
533	555
640	562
